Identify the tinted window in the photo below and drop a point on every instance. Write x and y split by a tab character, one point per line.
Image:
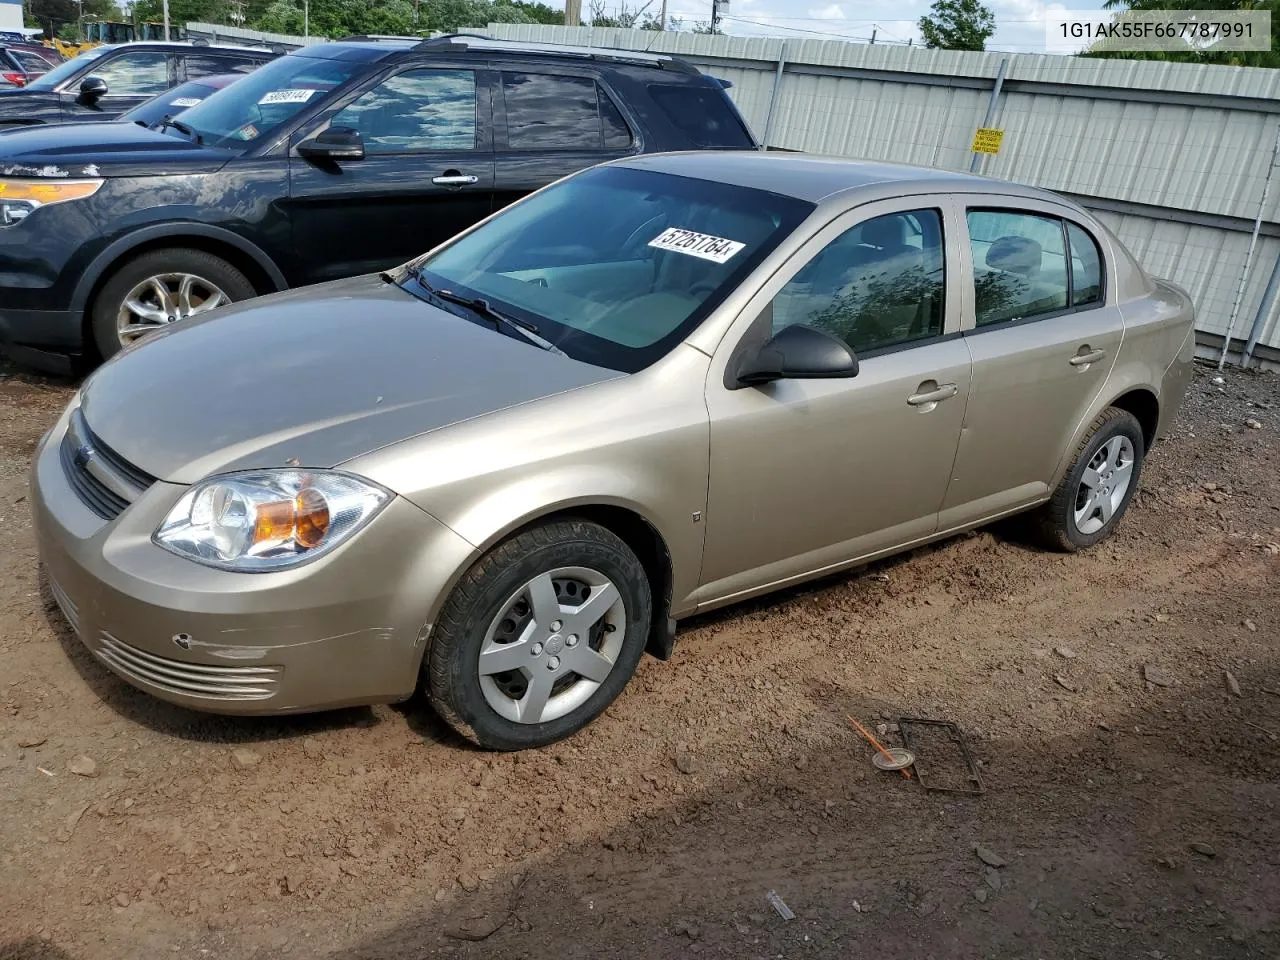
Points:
617	135
1019	265
702	114
1086	267
168	104
28	61
546	112
877	285
615	265
144	72
417	110
203	66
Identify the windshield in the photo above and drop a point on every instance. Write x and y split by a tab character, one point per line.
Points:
68	68
170	103
254	106
616	266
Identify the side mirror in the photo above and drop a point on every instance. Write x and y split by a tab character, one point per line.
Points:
92	88
336	143
798	352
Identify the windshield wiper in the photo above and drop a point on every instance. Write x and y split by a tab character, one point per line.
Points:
181	128
482	306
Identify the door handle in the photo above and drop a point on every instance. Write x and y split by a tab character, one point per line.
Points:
939	393
1082	359
454	180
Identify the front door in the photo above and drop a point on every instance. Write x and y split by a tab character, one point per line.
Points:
1043	339
808	475
132	76
427	174
550	125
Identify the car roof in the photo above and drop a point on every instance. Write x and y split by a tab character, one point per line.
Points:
814	178
175	45
372	47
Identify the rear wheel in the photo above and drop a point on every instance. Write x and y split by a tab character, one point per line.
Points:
540	636
157	288
1097	490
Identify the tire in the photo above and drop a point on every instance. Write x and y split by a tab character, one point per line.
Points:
210	274
495	610
1076	516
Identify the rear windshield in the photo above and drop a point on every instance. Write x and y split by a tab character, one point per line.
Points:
615	266
68	68
702	114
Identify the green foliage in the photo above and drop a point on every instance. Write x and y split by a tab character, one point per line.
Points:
958	25
1242	58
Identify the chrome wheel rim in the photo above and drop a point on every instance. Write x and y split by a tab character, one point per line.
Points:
1104	485
158	301
552	644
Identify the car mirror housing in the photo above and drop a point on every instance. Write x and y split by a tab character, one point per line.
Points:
336	143
798	352
92	88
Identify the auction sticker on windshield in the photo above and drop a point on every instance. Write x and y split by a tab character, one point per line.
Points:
184	102
299	95
701	245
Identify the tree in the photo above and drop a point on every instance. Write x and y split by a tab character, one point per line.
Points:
630	18
958	25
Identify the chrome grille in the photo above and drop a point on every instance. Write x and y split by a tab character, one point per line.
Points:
103	480
188	679
66	605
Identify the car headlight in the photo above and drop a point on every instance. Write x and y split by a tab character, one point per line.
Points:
268	519
21	198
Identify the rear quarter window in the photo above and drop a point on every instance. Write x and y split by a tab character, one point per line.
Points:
702	114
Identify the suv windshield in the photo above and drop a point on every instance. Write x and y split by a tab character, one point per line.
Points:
616	265
251	108
66	69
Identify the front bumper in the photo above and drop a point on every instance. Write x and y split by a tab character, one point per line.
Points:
345	629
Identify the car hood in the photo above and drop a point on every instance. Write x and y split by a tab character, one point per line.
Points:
313	377
109	148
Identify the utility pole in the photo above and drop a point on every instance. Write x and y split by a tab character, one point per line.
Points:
573	13
306	18
166	19
716	13
664	14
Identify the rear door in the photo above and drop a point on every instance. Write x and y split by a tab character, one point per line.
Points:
132	77
551	122
1043	331
427	173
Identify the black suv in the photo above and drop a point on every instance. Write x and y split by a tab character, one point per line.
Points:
338	159
104	82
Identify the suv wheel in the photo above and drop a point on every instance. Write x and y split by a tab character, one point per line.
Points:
155	289
1093	496
539	637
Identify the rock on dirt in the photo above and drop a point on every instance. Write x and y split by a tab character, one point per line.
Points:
83	767
1232	683
1202	848
1157	676
990	857
26	743
245	758
1066	653
686	764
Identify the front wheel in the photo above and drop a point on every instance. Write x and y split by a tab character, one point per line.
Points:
540	636
158	288
1097	490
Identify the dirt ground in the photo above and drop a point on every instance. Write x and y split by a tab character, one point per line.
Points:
1133	818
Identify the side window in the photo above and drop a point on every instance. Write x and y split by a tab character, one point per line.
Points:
208	66
1019	265
702	114
879	284
134	73
1086	267
29	62
617	135
547	112
416	110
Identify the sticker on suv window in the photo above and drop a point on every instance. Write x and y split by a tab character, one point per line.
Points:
701	245
184	102
301	95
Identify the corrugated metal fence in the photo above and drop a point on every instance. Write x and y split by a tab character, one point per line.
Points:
1173	157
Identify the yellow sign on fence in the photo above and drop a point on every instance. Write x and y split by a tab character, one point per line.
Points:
987	140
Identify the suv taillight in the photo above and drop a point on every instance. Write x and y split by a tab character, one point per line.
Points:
17	79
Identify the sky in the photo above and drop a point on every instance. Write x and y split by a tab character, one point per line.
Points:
1020	25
